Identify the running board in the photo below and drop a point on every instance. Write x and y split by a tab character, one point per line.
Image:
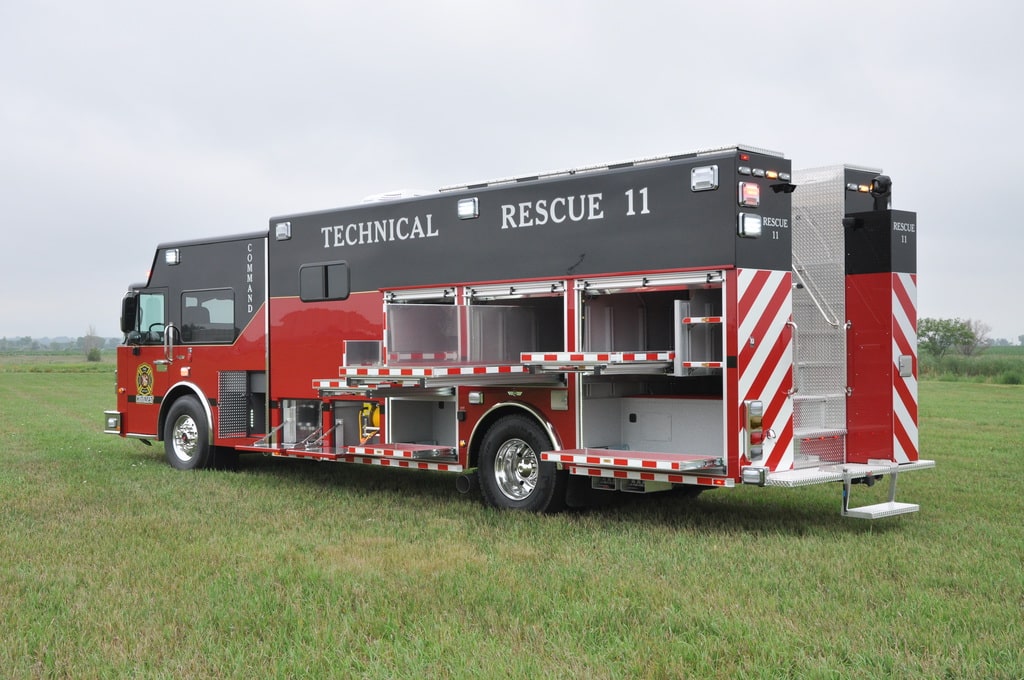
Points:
408	456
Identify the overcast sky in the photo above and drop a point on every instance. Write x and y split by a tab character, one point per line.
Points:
127	123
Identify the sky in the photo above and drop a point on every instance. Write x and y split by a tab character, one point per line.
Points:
124	124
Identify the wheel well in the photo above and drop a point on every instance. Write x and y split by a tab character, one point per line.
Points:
174	394
498	412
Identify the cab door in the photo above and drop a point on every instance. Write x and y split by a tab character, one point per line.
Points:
142	364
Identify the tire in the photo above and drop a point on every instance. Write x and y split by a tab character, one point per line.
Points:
186	435
512	475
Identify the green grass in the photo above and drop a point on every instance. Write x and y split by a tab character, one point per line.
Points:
116	565
998	365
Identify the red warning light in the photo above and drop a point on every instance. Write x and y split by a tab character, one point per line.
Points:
750	194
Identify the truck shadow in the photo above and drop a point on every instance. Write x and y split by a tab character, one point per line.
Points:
746	509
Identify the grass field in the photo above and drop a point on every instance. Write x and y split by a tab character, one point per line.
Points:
115	565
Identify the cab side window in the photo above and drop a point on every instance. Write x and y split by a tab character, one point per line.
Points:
208	316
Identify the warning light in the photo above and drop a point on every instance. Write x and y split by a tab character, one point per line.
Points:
744	157
749	194
771	174
755	429
749	225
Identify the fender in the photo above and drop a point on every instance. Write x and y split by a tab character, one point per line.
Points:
179	390
491	415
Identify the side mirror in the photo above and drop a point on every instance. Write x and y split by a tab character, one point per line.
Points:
129	311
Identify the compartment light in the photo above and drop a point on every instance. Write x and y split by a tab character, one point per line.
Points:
704	178
283	231
172	256
469	208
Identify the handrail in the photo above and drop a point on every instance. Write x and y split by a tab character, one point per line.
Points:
168	346
835	323
793	390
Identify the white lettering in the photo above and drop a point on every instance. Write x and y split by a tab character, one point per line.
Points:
781	222
555	203
576	208
508	216
904	226
379	231
572	212
417	229
524	215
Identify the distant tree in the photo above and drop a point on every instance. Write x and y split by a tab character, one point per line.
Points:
939	336
91	344
978	340
1001	342
1020	340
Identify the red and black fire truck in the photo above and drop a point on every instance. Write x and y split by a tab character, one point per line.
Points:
685	322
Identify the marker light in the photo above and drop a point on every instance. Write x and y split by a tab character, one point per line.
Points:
469	208
749	195
283	231
755	429
704	178
771	174
172	256
749	225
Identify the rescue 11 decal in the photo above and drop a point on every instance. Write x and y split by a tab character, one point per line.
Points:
144	384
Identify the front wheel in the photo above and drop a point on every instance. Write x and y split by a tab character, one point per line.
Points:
512	475
187	435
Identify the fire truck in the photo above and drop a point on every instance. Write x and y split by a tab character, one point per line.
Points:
689	322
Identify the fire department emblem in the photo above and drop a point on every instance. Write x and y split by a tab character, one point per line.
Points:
144	380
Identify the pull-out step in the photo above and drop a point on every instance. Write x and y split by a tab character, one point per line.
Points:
849	474
889	508
632	460
412	456
639	471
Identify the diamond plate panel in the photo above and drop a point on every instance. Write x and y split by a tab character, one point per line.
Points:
232	407
819	311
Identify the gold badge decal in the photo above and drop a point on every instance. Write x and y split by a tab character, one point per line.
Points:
144	380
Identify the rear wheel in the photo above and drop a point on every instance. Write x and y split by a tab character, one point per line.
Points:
512	475
187	435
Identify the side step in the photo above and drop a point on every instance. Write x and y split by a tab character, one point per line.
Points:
879	510
640	471
409	456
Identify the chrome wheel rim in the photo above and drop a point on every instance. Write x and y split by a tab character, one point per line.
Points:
516	468
185	440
